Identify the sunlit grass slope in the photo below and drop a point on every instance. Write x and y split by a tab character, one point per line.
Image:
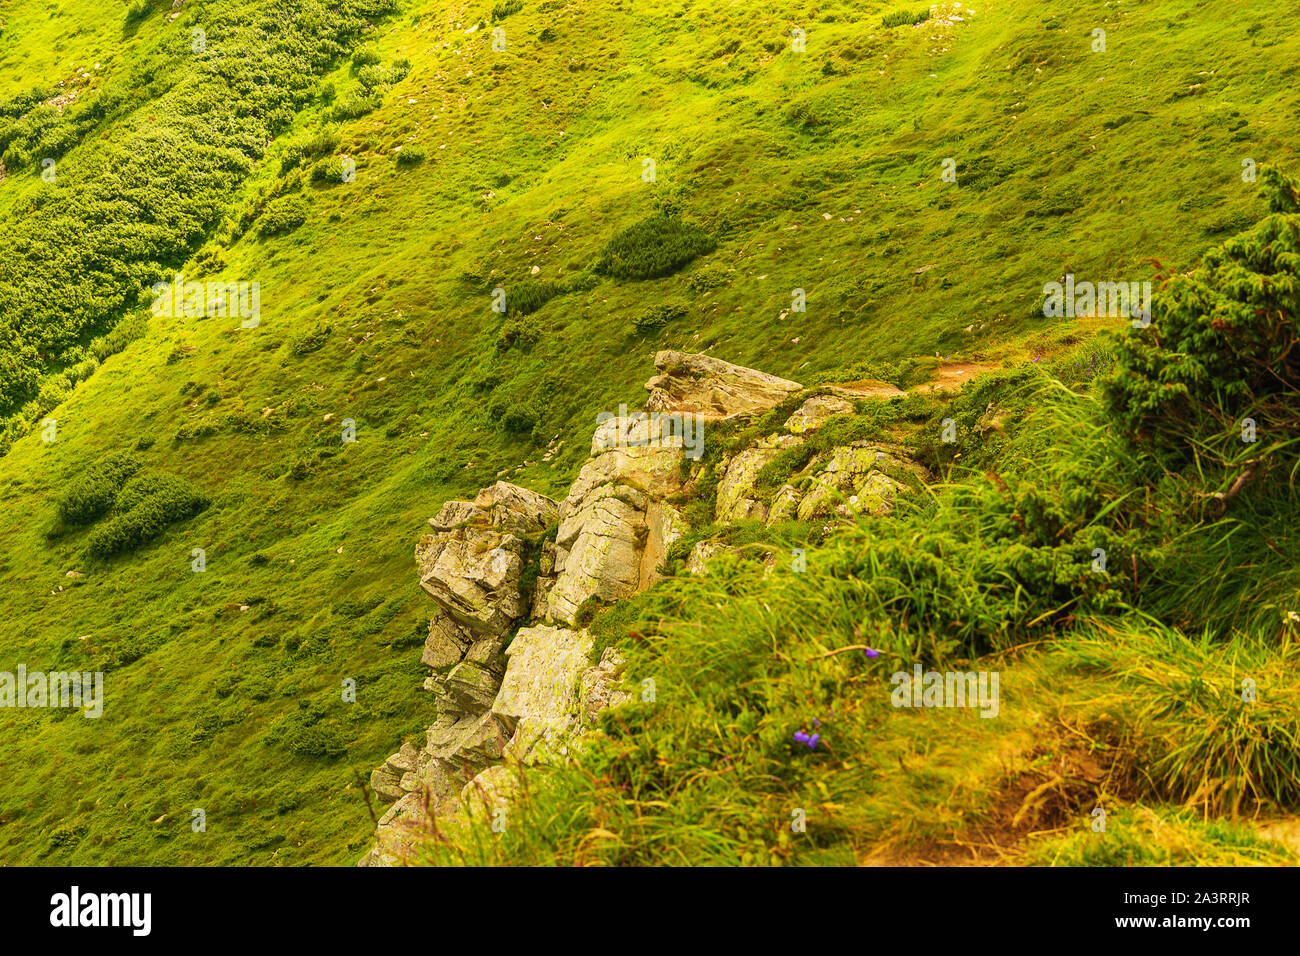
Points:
819	170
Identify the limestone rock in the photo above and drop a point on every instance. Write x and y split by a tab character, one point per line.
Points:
490	790
540	688
615	526
711	388
516	509
446	642
816	410
664	527
736	498
867	388
862	478
599	687
386	784
697	562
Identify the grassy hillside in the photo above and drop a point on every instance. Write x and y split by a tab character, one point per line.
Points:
819	170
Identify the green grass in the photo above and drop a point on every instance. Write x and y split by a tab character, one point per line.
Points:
377	308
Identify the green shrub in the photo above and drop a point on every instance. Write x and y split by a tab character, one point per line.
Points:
518	333
654	247
137	11
92	494
1223	347
903	18
526	297
146	506
307	733
702	280
518	419
321	143
329	170
410	155
657	317
372	77
309	340
505	8
282	216
354	105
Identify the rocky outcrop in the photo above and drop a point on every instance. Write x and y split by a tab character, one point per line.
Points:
708	387
513	670
859	479
815	411
737	499
472	565
617	522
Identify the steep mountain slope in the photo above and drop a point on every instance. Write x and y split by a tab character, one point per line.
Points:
478	169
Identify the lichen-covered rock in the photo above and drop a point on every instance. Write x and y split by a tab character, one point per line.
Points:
664	527
540	688
711	388
446	643
515	509
472	565
814	411
614	527
736	498
473	573
490	791
867	388
862	478
598	688
697	562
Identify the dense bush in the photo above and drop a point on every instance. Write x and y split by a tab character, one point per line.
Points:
656	317
525	298
354	105
654	247
505	8
137	11
904	18
282	215
92	494
1222	348
329	170
307	732
411	154
146	506
518	419
320	143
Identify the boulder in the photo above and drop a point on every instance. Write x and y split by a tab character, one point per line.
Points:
599	687
664	527
862	478
697	562
615	524
540	689
490	791
736	498
816	410
867	388
713	389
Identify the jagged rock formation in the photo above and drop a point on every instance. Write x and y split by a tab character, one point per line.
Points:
617	522
705	386
511	695
864	477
